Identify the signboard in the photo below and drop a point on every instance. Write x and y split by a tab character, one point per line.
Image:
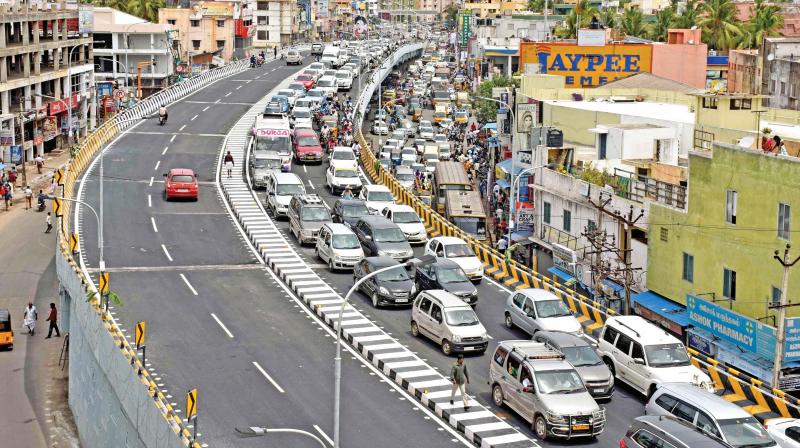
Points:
359	26
49	128
587	66
16	154
85	18
322	8
466	27
591	38
59	106
525	216
527	116
102	283
191	405
272	133
746	333
6	137
38	138
141	330
104	88
565	258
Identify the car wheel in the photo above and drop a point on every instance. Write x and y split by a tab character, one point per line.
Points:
497	395
375	300
414	329
540	427
610	364
447	348
509	321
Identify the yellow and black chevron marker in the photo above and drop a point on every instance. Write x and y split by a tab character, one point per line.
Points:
59	177
141	330
73	243
103	283
57	207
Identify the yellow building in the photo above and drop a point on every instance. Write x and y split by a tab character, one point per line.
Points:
491	8
206	28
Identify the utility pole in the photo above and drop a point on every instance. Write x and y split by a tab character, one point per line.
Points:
784	261
22	138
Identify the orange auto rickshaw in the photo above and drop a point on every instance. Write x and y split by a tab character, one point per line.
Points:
6	333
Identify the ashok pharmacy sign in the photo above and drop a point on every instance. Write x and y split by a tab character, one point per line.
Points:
749	334
588	66
466	27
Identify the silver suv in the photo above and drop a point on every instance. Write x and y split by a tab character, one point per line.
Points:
307	214
542	387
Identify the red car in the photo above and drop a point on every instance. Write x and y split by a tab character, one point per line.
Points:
306	80
306	146
180	183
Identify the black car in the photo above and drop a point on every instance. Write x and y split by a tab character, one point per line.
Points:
349	211
393	287
446	274
381	237
665	431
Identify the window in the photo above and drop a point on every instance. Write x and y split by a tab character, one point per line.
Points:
783	88
775	299
546	212
784	216
436	313
646	439
196	44
688	267
221	23
220	44
710	102
685	412
518	299
567	221
610	334
194	23
667	402
425	305
664	234
171	21
637	351
705	423
261	35
591	226
262	6
263	20
500	355
624	344
741	104
729	284
731	198
793	432
513	365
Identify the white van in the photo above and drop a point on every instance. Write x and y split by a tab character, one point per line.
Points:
448	321
280	189
331	55
338	246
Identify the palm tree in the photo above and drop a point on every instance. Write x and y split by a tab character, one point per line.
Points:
664	21
688	17
721	28
146	9
765	21
579	17
608	17
632	23
535	5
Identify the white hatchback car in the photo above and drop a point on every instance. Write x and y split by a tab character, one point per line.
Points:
459	251
377	197
343	157
409	222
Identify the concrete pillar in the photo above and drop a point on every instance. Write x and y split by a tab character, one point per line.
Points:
56	58
4	99
4	69
508	70
28	104
26	64
25	28
37	63
2	35
35	29
37	99
57	88
38	149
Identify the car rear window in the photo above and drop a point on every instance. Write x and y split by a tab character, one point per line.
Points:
182	178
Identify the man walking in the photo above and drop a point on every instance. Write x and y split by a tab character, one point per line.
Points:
460	378
28	197
53	319
49	221
39	160
29	317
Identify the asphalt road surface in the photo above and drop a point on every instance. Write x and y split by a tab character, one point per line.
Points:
216	319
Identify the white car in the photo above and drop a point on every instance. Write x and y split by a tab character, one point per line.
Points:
426	131
379	127
302	117
377	197
339	178
329	85
290	94
409	222
306	103
440	138
785	431
343	157
317	66
459	251
344	79
354	70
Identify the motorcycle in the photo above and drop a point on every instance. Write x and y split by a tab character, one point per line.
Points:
41	206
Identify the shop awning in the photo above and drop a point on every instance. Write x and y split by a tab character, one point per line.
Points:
505	165
566	278
503	183
490	126
614	286
662	306
521	237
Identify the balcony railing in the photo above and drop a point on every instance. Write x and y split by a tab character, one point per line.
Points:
643	188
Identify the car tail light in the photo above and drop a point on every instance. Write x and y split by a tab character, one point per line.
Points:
622	443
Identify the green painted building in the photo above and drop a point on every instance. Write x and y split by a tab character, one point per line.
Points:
743	205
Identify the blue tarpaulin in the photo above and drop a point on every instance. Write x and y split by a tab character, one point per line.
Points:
614	286
505	165
662	306
491	126
567	278
503	183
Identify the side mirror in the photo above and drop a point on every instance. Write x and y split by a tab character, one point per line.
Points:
368	237
166	174
639	361
195	175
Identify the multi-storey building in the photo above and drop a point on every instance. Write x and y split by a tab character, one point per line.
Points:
780	73
486	8
132	51
205	31
46	73
275	23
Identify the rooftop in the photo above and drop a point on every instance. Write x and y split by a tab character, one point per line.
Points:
109	20
658	111
646	80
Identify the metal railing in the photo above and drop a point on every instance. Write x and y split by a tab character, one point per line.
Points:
644	188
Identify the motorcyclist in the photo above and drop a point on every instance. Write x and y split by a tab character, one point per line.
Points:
252	61
347	193
40	199
162	113
325	131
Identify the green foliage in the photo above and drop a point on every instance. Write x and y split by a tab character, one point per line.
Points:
450	14
487	110
113	298
721	29
688	16
765	21
632	23
609	18
579	17
536	5
146	9
664	21
597	177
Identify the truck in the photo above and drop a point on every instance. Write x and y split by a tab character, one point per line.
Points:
272	134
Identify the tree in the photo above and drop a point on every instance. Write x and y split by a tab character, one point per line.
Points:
487	110
579	17
609	18
536	5
664	21
765	20
632	23
688	17
721	29
450	14
146	9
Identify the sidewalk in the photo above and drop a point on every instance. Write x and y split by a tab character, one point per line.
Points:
35	180
34	411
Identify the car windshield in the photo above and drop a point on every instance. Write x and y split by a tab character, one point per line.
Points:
297	86
182	178
346	173
666	355
426	129
744	432
474	226
390	235
355	210
346	241
315	93
286	92
289	189
342	75
461	317
403	177
280	144
451	275
379	196
267	163
307	141
405	217
301	114
559	382
315	214
326	83
581	356
551	308
458	250
304	78
343	155
393	275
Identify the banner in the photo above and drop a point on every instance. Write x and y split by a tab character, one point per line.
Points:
85	19
6	137
359	26
49	128
322	8
16	154
527	115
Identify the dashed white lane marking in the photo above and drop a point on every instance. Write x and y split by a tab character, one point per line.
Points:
193	118
304	169
172	139
153	220
224	328
215	102
157	164
238	87
151	182
205	108
189	285
182	128
150	204
311	185
228	94
322	433
269	378
165	150
166	252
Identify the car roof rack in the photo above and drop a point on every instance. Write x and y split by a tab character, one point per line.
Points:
629	328
537	351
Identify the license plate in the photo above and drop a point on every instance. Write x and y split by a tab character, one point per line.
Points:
469	348
597	391
182	190
580	427
401	300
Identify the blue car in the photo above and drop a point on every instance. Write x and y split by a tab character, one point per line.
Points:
283	100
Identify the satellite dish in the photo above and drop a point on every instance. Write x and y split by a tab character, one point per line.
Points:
771	57
694	27
747	141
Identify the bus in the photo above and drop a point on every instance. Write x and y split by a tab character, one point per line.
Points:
465	210
272	134
448	176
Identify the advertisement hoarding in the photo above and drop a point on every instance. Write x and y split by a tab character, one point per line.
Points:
587	66
527	114
322	8
591	38
85	18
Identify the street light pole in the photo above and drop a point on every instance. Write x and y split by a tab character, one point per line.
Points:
784	304
422	261
96	217
69	93
253	431
511	202
515	186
